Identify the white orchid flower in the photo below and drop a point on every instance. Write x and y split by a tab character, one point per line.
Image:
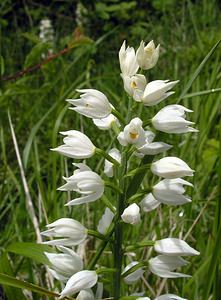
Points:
108	166
134	276
76	145
171	167
70	232
128	60
92	104
147	56
79	281
164	265
171	119
86	182
156	91
171	191
173	246
131	214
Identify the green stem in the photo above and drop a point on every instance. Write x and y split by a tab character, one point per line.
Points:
108	203
118	116
118	232
96	234
107	156
113	187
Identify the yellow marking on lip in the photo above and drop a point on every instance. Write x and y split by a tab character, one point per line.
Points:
133	135
133	85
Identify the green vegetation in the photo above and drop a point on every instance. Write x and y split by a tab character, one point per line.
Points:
34	101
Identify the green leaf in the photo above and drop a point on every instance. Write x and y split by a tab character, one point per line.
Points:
198	70
31	250
10	292
11	281
2	65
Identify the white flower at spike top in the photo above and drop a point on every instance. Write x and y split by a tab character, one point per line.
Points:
131	214
135	85
171	119
85	295
86	182
149	203
79	281
128	60
108	166
164	265
133	133
147	56
156	91
169	297
76	145
105	221
134	276
106	123
170	191
171	167
173	246
152	148
92	104
70	232
64	264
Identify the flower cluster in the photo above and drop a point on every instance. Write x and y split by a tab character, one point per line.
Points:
132	139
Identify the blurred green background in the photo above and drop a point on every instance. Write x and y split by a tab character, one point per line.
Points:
84	49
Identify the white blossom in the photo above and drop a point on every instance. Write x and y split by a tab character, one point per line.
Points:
147	56
149	203
128	60
79	281
156	91
171	191
108	166
76	145
171	119
86	182
152	148
105	221
92	104
169	297
134	276
131	214
85	295
106	123
164	265
133	133
171	167
135	85
70	232
65	264
173	246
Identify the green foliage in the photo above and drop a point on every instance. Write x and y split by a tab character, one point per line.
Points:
187	31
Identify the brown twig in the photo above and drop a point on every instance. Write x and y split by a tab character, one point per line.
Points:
35	67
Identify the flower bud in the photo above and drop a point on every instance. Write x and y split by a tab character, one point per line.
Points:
76	145
105	221
171	167
134	276
131	214
128	60
108	166
105	123
149	203
79	281
85	295
173	246
147	56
